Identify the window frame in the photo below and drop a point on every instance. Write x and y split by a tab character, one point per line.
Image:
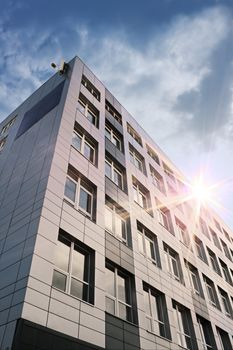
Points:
116	299
154	298
113	136
144	234
205	345
114	113
74	246
2	143
139	192
211	292
90	87
135	135
75	203
181	334
114	212
84	140
136	160
7	126
193	274
88	109
183	233
170	257
114	168
164	218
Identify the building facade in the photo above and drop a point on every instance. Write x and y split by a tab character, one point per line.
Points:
99	249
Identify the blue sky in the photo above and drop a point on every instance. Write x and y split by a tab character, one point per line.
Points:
169	62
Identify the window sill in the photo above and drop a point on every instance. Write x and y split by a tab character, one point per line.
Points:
73	297
122	319
117	237
78	210
93	163
160	336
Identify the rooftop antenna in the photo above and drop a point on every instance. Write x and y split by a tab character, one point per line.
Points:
63	67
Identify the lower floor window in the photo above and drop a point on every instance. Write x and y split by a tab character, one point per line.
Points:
74	269
156	312
118	293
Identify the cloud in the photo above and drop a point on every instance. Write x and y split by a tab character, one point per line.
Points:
167	84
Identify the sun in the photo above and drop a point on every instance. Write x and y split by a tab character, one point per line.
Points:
200	191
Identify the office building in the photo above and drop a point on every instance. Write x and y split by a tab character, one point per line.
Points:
99	246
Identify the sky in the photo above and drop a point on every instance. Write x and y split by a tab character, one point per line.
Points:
169	62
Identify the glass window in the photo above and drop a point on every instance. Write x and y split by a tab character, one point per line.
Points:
116	115
113	137
88	110
183	326
164	218
79	194
212	296
155	309
115	223
139	197
207	336
134	134
146	243
172	263
194	278
2	143
7	126
118	293
84	146
183	232
90	87
113	173
72	271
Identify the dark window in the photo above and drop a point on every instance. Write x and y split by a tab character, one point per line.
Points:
74	271
206	333
6	127
90	87
226	273
164	217
214	261
116	115
200	249
225	302
194	279
223	339
211	292
116	219
147	244
173	263
184	326
2	143
226	249
215	239
156	311
85	144
183	232
88	110
135	135
141	196
119	290
80	193
112	135
37	112
152	154
157	179
137	159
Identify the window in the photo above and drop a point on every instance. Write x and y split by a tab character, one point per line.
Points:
226	250
134	134
152	154
206	333
217	225
183	232
172	263
204	228
226	306
226	234
156	311
169	172
84	144
137	159
113	137
118	287
90	87
115	221
139	196
215	239
88	109
224	340
200	249
184	326
2	143
116	115
157	179
194	278
113	173
226	273
80	194
7	126
74	271
211	292
147	243
164	217
214	261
